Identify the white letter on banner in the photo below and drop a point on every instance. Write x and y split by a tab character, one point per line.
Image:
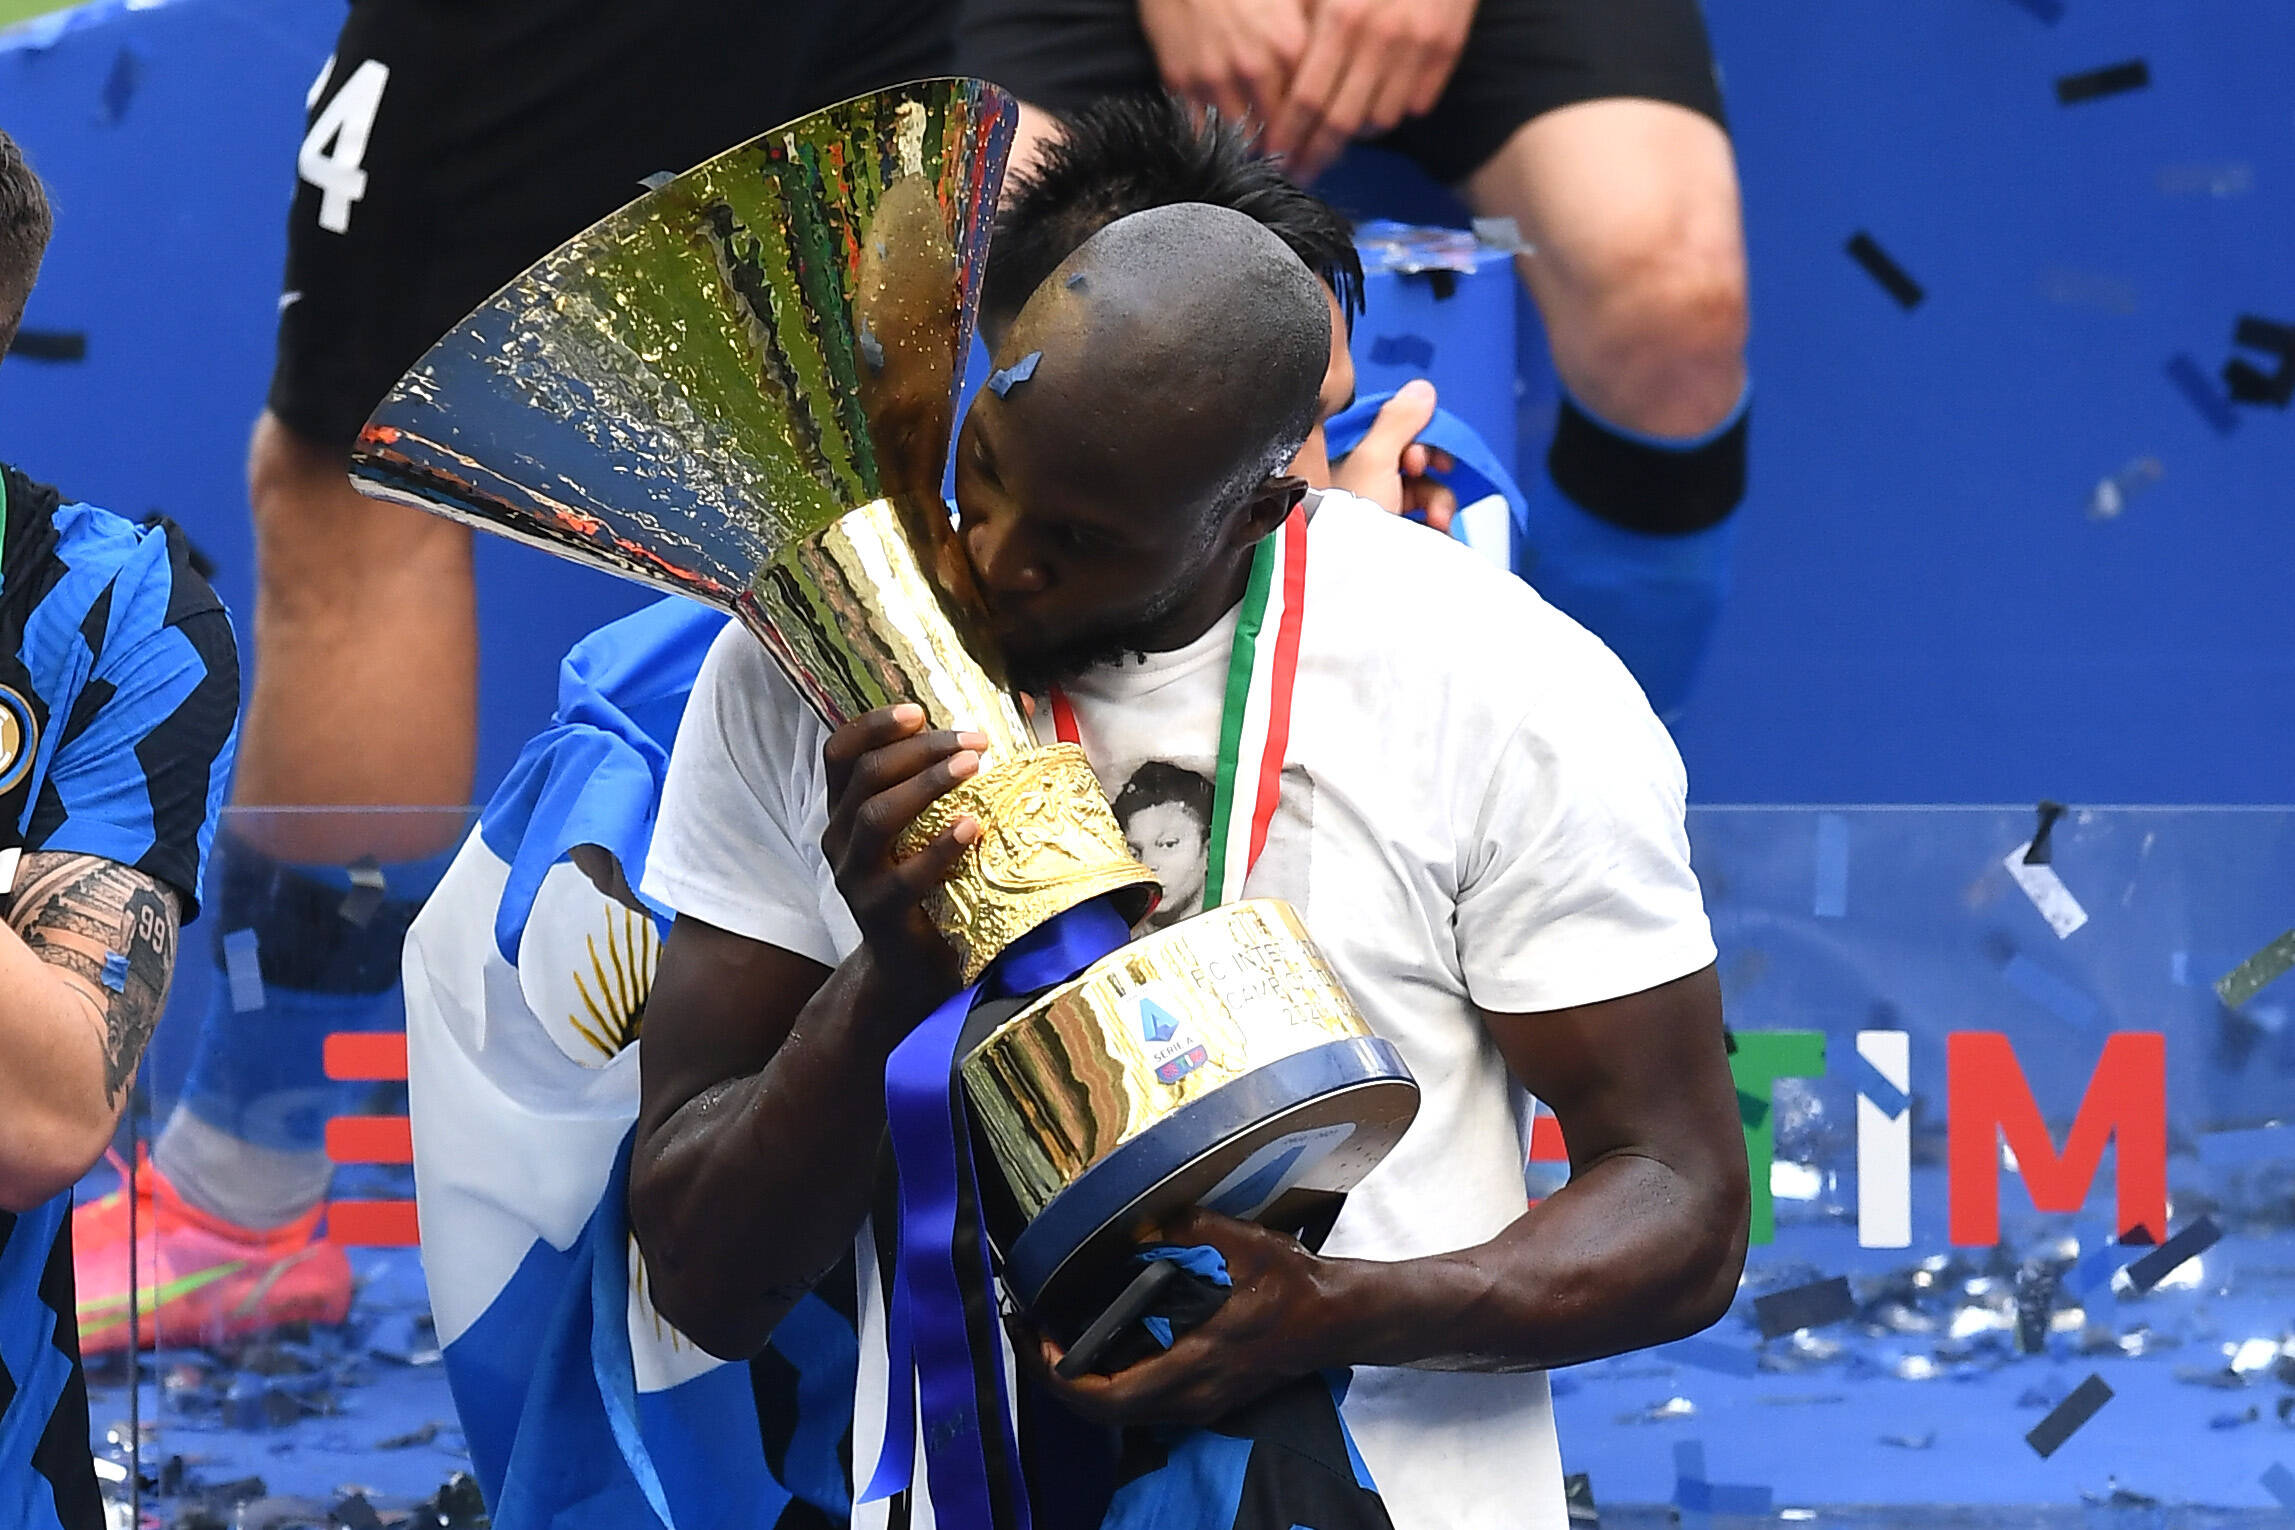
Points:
1884	1147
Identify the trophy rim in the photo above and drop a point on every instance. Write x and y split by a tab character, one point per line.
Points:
1007	109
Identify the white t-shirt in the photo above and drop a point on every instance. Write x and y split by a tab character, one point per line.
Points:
1479	810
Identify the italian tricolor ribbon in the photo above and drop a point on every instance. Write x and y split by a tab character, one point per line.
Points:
1255	715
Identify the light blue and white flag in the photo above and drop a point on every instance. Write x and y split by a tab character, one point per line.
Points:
526	981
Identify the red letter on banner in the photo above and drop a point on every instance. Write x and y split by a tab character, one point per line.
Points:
2126	1101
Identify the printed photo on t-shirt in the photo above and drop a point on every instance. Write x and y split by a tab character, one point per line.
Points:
1165	810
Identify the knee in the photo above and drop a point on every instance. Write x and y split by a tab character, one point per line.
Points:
1669	331
1687	304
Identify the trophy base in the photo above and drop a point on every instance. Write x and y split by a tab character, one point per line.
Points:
1273	1146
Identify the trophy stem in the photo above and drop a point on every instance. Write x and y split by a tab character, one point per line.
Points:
1048	842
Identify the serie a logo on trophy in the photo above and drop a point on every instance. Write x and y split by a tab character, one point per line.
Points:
740	388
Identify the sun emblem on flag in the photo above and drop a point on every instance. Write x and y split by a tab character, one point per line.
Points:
619	981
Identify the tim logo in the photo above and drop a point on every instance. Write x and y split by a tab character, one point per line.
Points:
1174	1050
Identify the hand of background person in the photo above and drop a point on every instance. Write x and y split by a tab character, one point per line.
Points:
1368	65
1391	468
1236	55
1271	1328
883	770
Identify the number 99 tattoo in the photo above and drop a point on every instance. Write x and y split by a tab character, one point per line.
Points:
111	929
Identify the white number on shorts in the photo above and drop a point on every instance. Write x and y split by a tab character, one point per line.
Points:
338	141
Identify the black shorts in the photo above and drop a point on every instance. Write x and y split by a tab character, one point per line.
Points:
452	143
1522	59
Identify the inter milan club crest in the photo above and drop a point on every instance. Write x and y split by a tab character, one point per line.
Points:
19	738
1174	1049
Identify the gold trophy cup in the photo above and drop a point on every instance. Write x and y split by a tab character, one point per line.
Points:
739	388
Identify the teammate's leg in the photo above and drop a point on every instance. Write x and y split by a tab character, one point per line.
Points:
1639	269
1596	125
366	664
1639	274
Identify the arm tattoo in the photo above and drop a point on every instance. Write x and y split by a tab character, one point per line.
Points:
112	931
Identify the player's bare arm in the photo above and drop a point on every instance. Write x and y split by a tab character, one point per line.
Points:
84	974
1642	1246
762	1121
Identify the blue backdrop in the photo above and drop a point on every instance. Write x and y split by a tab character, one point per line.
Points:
1926	608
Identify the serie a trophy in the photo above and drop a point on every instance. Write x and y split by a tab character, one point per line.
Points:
739	388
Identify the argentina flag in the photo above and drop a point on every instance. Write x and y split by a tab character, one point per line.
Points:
526	979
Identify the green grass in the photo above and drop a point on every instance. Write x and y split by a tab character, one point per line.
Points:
13	11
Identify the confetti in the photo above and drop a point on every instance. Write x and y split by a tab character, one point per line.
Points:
1832	901
1810	1306
2185	373
50	344
368	888
2247	383
2046	890
2257	973
1693	1494
1875	1086
1502	234
2051	992
2064	1420
2161	1262
2040	849
2112	495
1867	253
2094	84
1004	379
242	964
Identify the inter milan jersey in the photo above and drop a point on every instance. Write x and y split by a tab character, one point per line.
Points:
119	690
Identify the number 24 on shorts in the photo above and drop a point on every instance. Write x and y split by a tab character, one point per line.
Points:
337	141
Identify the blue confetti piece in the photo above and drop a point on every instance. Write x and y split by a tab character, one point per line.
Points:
1875	1086
1832	866
115	971
1693	1495
2196	386
242	964
120	85
2050	11
2279	1482
1002	380
2051	992
2096	1269
1413	351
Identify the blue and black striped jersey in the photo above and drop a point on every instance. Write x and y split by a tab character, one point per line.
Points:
119	698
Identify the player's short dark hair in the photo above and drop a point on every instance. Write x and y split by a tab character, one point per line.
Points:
25	223
1160	781
1126	154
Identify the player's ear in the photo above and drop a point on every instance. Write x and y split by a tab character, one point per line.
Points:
1270	504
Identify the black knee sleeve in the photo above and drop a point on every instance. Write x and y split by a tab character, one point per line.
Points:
1651	489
